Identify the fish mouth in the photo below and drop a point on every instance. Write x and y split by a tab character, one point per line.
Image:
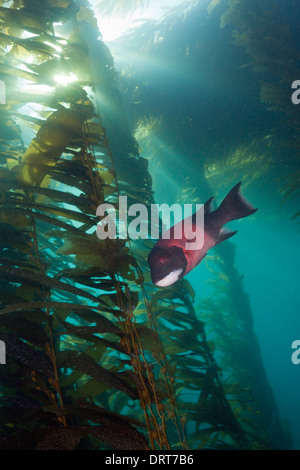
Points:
170	278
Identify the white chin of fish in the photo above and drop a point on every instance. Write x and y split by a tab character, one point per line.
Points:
168	280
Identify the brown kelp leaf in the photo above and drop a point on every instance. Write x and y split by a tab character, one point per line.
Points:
55	195
26	329
53	221
142	381
64	172
9	235
103	324
88	333
24	19
27	355
103	416
69	438
91	412
28	277
91	389
59	211
37	48
189	288
59	438
92	277
26	306
88	366
149	339
182	339
59	3
54	136
15	72
94	130
108	255
21	401
126	438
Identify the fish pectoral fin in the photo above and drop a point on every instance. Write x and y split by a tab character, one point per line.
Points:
224	234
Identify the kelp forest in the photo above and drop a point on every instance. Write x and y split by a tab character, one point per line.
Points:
97	358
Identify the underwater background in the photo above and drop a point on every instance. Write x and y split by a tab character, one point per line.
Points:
194	97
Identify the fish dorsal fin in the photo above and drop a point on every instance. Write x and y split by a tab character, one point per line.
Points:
207	205
207	209
224	234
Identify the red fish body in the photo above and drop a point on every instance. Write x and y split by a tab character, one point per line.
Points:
170	259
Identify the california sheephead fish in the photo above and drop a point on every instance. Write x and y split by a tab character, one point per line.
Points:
170	260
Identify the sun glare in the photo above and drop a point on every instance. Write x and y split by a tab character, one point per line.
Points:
112	27
57	48
65	79
34	88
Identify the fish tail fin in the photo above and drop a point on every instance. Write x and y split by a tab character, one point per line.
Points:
235	206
